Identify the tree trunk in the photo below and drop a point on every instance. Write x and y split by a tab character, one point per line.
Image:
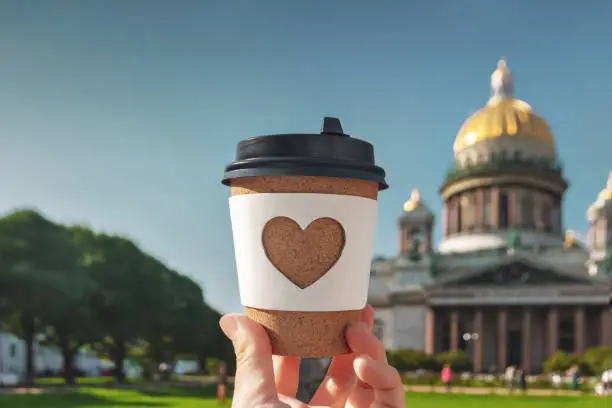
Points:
68	355
202	363
119	357
28	334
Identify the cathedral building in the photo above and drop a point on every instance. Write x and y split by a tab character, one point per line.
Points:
507	284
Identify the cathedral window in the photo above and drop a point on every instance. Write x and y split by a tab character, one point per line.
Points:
546	217
418	238
459	207
417	241
503	210
566	335
555	218
527	207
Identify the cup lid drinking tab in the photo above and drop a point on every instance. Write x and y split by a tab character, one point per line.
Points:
331	153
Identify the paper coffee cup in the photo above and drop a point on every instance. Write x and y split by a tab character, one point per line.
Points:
304	235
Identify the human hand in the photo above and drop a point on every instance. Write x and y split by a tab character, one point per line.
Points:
359	380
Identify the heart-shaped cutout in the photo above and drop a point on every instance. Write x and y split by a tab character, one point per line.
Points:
303	256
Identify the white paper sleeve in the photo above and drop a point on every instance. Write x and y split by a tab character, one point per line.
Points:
262	286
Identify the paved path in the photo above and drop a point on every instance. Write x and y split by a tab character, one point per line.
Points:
488	391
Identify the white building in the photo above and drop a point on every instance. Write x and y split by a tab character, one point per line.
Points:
46	359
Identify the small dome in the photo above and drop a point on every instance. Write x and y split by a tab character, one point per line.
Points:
503	115
606	193
416	211
570	240
603	202
413	202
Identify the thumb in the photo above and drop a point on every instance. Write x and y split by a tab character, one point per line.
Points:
254	382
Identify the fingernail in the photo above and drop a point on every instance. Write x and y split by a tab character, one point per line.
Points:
359	326
229	326
361	361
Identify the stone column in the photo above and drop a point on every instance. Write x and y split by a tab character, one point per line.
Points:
478	329
445	219
495	207
451	221
606	326
526	340
454	330
552	326
430	332
579	330
502	335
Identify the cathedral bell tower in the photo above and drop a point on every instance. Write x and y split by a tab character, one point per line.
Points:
600	231
416	227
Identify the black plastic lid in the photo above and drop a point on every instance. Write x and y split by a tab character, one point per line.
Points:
328	154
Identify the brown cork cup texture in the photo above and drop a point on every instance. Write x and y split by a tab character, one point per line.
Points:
296	333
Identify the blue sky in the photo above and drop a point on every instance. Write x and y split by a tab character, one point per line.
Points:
122	114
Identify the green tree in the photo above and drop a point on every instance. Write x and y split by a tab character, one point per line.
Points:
38	266
73	322
215	345
185	325
128	292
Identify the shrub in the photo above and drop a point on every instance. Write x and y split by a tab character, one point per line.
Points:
560	362
458	360
409	360
598	359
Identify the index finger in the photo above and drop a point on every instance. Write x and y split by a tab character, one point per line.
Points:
254	381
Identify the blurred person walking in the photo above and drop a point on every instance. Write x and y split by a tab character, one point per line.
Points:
447	376
574	374
509	377
521	379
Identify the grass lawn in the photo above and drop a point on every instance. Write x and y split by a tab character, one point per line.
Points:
202	398
432	400
115	398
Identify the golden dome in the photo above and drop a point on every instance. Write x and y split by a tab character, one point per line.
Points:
503	115
413	202
606	193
